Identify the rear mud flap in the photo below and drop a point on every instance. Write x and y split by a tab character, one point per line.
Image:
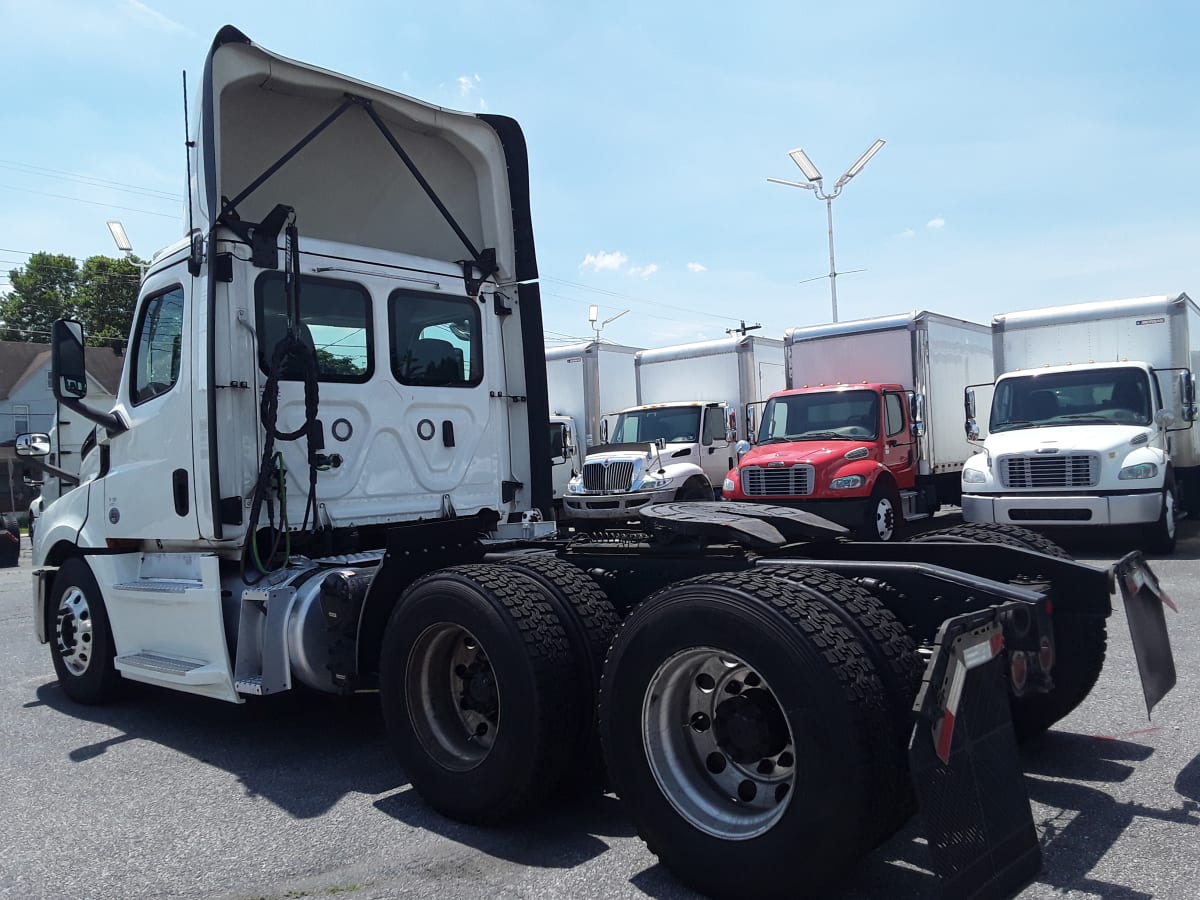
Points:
1144	600
963	758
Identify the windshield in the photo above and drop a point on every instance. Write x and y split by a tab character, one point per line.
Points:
828	415
1119	396
675	425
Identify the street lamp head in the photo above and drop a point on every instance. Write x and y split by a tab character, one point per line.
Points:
808	186
593	313
861	161
119	235
800	158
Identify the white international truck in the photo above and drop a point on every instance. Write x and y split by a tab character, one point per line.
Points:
328	465
1091	420
584	381
678	442
869	431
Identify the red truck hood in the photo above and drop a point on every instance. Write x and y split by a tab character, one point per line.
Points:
814	453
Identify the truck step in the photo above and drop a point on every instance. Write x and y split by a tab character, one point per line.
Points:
251	685
155	667
159	586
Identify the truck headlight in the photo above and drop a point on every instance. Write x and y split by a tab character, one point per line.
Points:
655	482
1141	470
727	485
974	476
846	483
575	485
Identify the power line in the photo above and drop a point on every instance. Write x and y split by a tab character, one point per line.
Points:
630	297
91	180
147	212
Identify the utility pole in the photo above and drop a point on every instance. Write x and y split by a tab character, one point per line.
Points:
742	329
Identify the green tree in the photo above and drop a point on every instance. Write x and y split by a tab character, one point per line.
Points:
106	297
329	364
42	291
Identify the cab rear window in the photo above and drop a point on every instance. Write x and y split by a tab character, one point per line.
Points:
335	320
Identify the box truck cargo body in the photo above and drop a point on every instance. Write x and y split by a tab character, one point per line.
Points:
869	432
678	442
1091	419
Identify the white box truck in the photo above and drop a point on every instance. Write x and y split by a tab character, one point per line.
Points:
584	381
869	432
1091	419
677	443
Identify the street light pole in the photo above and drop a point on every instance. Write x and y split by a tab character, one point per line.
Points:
815	184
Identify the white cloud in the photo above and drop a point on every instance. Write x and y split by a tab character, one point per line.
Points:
935	224
152	15
604	260
643	271
697	267
907	233
482	105
466	83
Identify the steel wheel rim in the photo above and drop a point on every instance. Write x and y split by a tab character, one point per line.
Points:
718	743
452	696
884	518
73	633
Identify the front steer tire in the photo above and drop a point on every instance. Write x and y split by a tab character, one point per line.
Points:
81	640
477	683
736	716
1080	642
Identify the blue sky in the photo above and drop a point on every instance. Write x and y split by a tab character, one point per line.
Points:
1037	153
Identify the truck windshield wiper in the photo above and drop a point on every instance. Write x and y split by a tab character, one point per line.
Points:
773	440
827	435
1088	417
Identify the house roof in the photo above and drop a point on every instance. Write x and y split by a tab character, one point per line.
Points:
19	360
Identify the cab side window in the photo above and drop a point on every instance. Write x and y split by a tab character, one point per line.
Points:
157	346
714	424
436	341
894	405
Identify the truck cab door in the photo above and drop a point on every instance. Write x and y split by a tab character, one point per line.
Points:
147	488
899	444
716	453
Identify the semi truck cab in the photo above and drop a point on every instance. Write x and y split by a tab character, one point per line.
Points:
847	452
655	453
1085	445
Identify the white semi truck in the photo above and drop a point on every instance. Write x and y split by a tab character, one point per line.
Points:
584	381
678	442
1091	420
328	465
869	432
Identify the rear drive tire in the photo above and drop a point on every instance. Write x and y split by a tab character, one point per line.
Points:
737	717
590	621
477	684
81	641
1080	642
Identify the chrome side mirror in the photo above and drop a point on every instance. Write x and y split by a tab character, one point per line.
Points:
33	444
742	448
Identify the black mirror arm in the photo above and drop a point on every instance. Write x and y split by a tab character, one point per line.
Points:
113	423
51	469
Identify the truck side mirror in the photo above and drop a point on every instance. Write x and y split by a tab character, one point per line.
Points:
604	431
67	372
1187	393
969	402
731	434
34	444
742	448
1164	418
972	429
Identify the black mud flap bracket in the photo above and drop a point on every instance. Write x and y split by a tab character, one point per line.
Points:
963	758
1144	600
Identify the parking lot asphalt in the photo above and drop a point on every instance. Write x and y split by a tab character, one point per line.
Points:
167	795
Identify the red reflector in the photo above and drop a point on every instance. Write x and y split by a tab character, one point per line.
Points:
945	737
1049	607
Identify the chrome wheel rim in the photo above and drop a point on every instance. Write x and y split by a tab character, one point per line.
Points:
885	519
73	631
452	695
718	743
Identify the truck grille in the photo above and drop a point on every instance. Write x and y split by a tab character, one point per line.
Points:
786	481
616	476
1073	470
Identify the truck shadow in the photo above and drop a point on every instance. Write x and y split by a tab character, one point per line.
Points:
272	745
